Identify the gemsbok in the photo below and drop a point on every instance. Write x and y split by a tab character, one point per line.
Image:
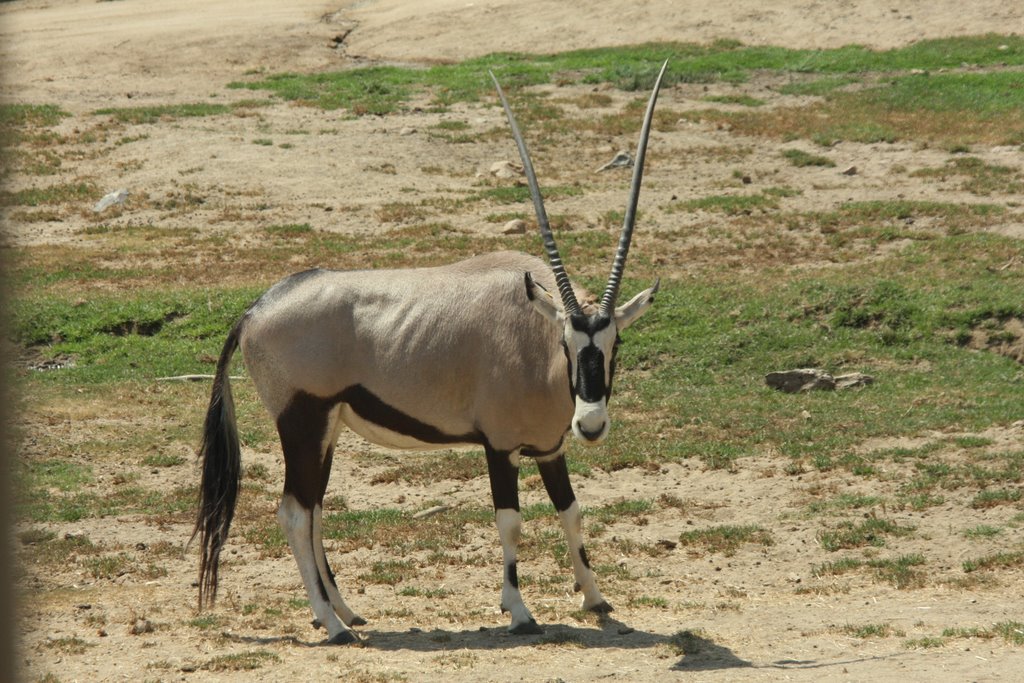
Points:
477	352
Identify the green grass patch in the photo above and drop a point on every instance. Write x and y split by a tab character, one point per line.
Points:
982	531
953	109
726	539
871	631
61	193
163	112
819	86
1001	560
31	115
801	159
924	643
648	601
976	176
384	89
1011	631
899	571
734	205
117	338
241	661
619	511
742	100
870	532
845	501
389	572
993	497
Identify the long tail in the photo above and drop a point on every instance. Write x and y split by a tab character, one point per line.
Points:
221	459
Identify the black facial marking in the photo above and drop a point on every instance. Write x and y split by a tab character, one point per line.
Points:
590	324
513	575
590	384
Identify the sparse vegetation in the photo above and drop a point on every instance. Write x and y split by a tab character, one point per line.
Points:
758	272
726	539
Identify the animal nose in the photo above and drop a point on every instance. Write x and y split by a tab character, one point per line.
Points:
595	435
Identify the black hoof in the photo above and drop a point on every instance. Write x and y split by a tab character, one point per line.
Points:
528	628
342	638
357	620
601	608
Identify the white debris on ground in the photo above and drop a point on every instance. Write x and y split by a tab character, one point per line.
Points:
115	197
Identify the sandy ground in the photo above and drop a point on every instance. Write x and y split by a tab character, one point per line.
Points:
760	613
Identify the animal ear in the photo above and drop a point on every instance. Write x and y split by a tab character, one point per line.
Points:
541	299
629	312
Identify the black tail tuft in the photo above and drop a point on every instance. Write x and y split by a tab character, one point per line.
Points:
221	459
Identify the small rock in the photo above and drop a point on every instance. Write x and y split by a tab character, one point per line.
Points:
804	379
853	379
516	226
746	180
141	626
407	131
506	169
667	544
852	170
621	160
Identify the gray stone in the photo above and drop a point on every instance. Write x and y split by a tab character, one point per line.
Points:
803	379
853	379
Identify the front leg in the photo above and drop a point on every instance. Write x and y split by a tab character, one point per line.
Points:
503	469
555	474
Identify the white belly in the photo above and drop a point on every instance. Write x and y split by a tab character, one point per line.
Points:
383	436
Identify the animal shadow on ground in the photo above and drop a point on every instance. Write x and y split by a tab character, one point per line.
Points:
700	654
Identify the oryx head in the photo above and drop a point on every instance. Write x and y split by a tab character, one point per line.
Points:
590	338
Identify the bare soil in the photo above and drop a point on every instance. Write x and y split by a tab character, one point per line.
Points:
758	613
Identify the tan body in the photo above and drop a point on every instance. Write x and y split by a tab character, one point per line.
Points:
396	333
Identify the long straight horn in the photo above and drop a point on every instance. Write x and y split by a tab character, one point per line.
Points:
611	292
569	303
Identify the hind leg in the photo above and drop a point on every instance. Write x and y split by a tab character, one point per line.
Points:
348	617
303	427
